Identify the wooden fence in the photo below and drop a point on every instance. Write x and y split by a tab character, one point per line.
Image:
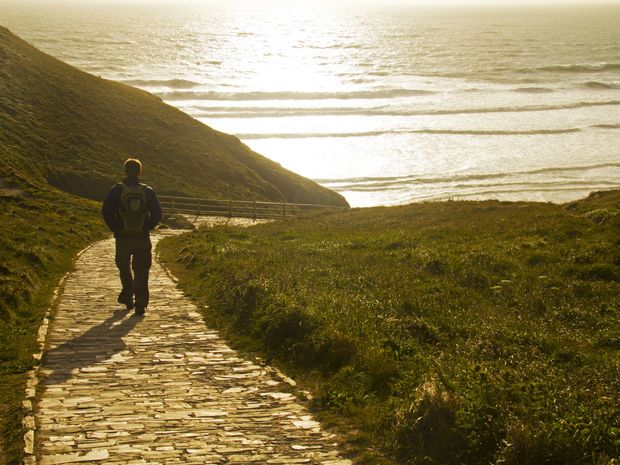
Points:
236	208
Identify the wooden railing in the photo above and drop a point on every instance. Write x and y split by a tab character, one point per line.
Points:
236	208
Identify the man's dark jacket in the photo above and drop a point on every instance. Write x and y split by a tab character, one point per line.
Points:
112	205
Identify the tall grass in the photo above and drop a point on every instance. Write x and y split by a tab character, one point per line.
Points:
40	231
446	333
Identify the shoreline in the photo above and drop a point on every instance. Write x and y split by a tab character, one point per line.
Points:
553	198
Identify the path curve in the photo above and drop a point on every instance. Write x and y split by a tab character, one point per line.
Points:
163	389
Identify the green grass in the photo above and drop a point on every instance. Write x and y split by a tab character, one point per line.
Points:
439	333
41	229
36	249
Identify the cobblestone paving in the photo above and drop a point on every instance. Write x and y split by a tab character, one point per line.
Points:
116	388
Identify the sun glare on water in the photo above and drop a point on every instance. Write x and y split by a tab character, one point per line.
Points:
385	105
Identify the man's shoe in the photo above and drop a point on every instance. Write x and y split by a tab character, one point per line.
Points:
127	302
140	311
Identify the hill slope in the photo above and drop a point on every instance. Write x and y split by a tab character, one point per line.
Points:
453	333
74	130
41	229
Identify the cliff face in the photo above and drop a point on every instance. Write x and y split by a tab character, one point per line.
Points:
72	130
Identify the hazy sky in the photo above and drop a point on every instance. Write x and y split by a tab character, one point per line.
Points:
297	2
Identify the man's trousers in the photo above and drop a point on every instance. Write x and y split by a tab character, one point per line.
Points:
134	253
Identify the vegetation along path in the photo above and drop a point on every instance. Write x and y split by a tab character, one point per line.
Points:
116	388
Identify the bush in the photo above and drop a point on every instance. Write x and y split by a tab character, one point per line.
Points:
425	430
600	272
601	215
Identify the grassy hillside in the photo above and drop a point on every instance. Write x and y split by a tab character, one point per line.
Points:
74	130
439	333
41	229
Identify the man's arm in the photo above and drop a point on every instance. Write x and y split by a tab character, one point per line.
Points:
110	208
152	203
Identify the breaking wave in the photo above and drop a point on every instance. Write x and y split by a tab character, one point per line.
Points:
517	191
241	96
470	132
606	126
173	83
263	112
465	180
575	68
601	85
534	90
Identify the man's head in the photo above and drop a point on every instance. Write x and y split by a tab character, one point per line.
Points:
133	167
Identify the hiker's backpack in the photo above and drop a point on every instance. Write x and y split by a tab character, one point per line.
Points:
133	210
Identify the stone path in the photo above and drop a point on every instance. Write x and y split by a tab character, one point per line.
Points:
163	389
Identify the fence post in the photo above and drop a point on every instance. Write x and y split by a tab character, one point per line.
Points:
230	209
172	204
254	208
198	214
284	208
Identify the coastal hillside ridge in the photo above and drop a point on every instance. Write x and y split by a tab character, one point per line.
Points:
41	230
74	130
453	333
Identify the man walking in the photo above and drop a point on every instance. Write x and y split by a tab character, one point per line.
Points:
131	210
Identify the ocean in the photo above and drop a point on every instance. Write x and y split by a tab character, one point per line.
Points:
386	105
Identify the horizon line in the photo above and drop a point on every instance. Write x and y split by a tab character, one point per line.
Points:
319	3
